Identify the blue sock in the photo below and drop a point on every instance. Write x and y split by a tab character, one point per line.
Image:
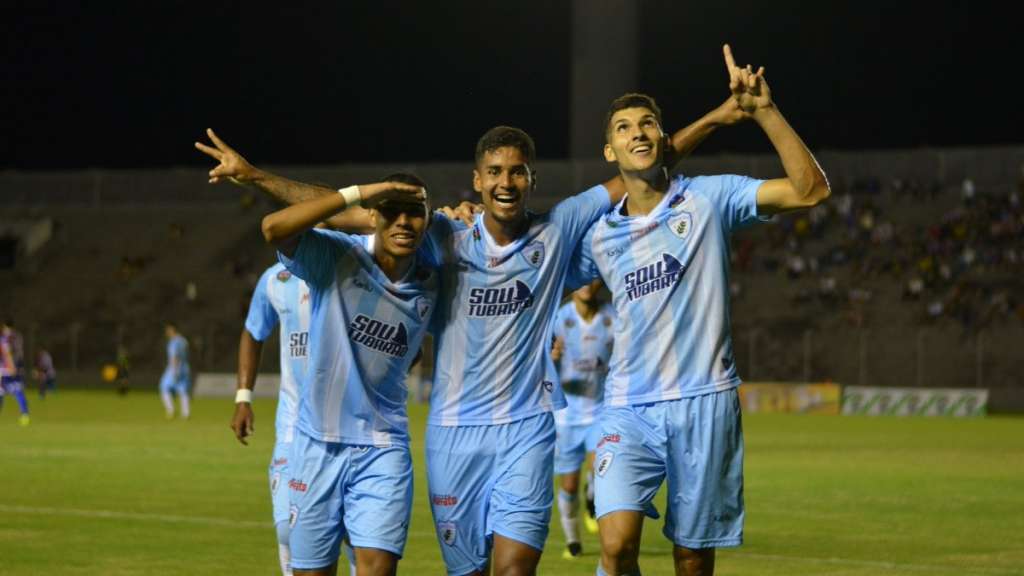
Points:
22	402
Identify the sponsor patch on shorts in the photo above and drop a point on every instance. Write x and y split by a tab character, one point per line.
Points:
447	532
293	515
604	463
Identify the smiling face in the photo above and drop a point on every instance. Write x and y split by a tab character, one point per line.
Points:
399	227
504	180
635	139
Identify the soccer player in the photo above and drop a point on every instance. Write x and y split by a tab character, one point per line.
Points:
583	345
281	299
11	377
490	435
670	407
177	376
350	471
45	373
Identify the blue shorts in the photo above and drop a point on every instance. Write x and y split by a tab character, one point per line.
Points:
486	480
10	385
179	385
337	489
697	443
278	474
572	443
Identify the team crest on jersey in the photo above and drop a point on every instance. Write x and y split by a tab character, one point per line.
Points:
681	224
503	301
570	323
654	277
374	334
284	275
534	254
604	463
422	307
447	532
476	233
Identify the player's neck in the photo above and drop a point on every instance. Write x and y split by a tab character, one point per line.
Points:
504	233
586	310
644	190
394	267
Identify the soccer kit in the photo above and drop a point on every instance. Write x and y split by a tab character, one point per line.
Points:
670	406
176	380
350	471
587	347
282	299
490	433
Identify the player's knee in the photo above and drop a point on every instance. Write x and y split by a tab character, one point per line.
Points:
283	531
376	562
694	562
619	553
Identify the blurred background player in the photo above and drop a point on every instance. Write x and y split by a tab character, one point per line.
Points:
281	299
124	364
11	372
177	375
582	347
44	372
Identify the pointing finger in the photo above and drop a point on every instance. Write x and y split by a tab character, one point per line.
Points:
729	61
217	141
212	152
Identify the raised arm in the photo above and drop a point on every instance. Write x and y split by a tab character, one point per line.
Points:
249	351
282	228
805	184
234	168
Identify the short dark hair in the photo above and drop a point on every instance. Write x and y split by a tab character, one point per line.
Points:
405	178
631	100
501	136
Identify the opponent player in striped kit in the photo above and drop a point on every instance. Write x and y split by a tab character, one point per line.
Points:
11	371
670	408
583	345
281	299
350	472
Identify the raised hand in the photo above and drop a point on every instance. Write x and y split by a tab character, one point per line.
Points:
232	166
373	194
749	88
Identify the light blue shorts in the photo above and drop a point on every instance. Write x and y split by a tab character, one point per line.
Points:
337	489
278	474
179	385
486	480
697	443
572	443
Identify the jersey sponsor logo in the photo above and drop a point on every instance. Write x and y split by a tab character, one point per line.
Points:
380	336
484	302
444	499
297	485
298	344
680	225
613	252
279	462
638	234
603	464
422	307
284	275
447	532
609	438
534	253
653	277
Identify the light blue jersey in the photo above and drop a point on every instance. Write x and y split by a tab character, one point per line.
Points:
587	347
668	272
493	325
365	332
281	297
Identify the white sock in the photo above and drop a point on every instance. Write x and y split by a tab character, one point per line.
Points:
184	405
168	403
351	555
284	553
568	512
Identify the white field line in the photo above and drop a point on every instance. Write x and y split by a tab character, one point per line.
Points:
893	567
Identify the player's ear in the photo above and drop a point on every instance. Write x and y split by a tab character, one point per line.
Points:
609	154
533	178
477	185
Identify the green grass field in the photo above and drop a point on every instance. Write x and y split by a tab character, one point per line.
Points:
100	484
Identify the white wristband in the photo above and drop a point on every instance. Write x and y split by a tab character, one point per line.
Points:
351	195
243	395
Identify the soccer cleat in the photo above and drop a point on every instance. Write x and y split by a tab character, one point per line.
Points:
590	524
572	551
23	420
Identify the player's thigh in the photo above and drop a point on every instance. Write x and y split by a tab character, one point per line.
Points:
705	484
378	498
277	474
375	562
570	448
460	473
315	501
629	461
523	494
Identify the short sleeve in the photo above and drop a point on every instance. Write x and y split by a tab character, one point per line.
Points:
734	196
262	317
582	267
317	255
575	215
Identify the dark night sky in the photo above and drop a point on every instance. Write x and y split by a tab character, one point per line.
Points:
123	85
